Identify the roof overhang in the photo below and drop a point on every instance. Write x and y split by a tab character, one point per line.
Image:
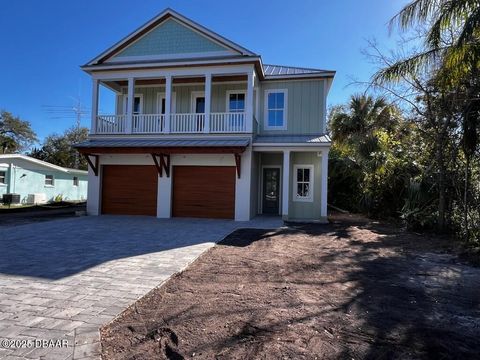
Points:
166	146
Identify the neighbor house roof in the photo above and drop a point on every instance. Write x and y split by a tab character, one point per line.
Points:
279	140
12	157
164	143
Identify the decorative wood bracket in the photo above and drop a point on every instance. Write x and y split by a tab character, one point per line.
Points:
238	161
93	165
162	162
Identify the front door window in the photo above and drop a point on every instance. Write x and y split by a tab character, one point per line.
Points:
271	182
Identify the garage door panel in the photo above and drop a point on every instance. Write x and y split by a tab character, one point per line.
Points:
204	191
129	190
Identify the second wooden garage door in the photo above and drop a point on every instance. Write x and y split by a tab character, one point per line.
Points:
129	190
204	191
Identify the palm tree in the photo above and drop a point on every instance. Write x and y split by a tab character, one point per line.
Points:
452	41
356	125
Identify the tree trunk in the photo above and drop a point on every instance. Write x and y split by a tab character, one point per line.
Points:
441	184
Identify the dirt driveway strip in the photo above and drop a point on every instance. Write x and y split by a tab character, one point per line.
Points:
352	289
63	279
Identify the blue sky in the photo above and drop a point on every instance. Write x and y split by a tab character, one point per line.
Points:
45	42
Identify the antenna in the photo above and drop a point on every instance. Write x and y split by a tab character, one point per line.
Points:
75	111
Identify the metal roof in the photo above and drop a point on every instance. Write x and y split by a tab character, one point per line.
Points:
109	143
292	139
281	71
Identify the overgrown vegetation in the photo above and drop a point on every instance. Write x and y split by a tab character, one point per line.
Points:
58	149
411	150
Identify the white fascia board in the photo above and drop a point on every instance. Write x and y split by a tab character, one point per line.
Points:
33	161
292	147
173	64
177	72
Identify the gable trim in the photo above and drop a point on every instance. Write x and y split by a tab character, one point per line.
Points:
122	59
158	20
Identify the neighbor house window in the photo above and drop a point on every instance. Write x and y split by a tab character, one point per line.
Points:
276	109
2	177
75	181
303	183
236	101
49	180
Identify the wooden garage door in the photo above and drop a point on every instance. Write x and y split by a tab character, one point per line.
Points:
129	190
204	191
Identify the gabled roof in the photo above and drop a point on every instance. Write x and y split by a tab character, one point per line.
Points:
155	22
41	163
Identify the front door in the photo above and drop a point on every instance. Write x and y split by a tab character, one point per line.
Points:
271	188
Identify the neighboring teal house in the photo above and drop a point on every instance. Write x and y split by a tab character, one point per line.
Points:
37	181
201	127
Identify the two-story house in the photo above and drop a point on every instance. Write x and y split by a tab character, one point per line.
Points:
202	128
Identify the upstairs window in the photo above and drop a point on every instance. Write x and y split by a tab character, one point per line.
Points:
303	183
137	104
75	181
236	101
49	180
3	175
276	109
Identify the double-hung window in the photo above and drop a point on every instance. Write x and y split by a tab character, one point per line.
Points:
276	109
75	181
236	108
236	101
303	183
137	104
3	175
49	180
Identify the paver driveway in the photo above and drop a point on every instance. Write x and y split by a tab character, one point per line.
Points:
63	279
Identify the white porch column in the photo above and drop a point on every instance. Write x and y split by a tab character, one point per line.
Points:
249	102
93	124
208	97
94	192
130	102
324	185
164	196
168	102
286	183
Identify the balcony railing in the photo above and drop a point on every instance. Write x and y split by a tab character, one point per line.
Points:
188	123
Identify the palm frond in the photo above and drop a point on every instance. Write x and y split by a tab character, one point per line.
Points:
416	11
412	65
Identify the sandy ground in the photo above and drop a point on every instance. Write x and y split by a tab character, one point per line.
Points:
353	289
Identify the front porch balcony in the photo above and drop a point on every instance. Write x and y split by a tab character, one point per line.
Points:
187	123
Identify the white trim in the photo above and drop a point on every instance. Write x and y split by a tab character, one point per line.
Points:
124	104
285	109
193	97
162	95
183	56
214	83
171	64
295	196
38	162
280	197
53	180
227	99
169	13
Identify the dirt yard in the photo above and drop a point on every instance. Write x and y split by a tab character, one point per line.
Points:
352	289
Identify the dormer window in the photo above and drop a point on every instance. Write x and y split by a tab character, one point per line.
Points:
276	109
